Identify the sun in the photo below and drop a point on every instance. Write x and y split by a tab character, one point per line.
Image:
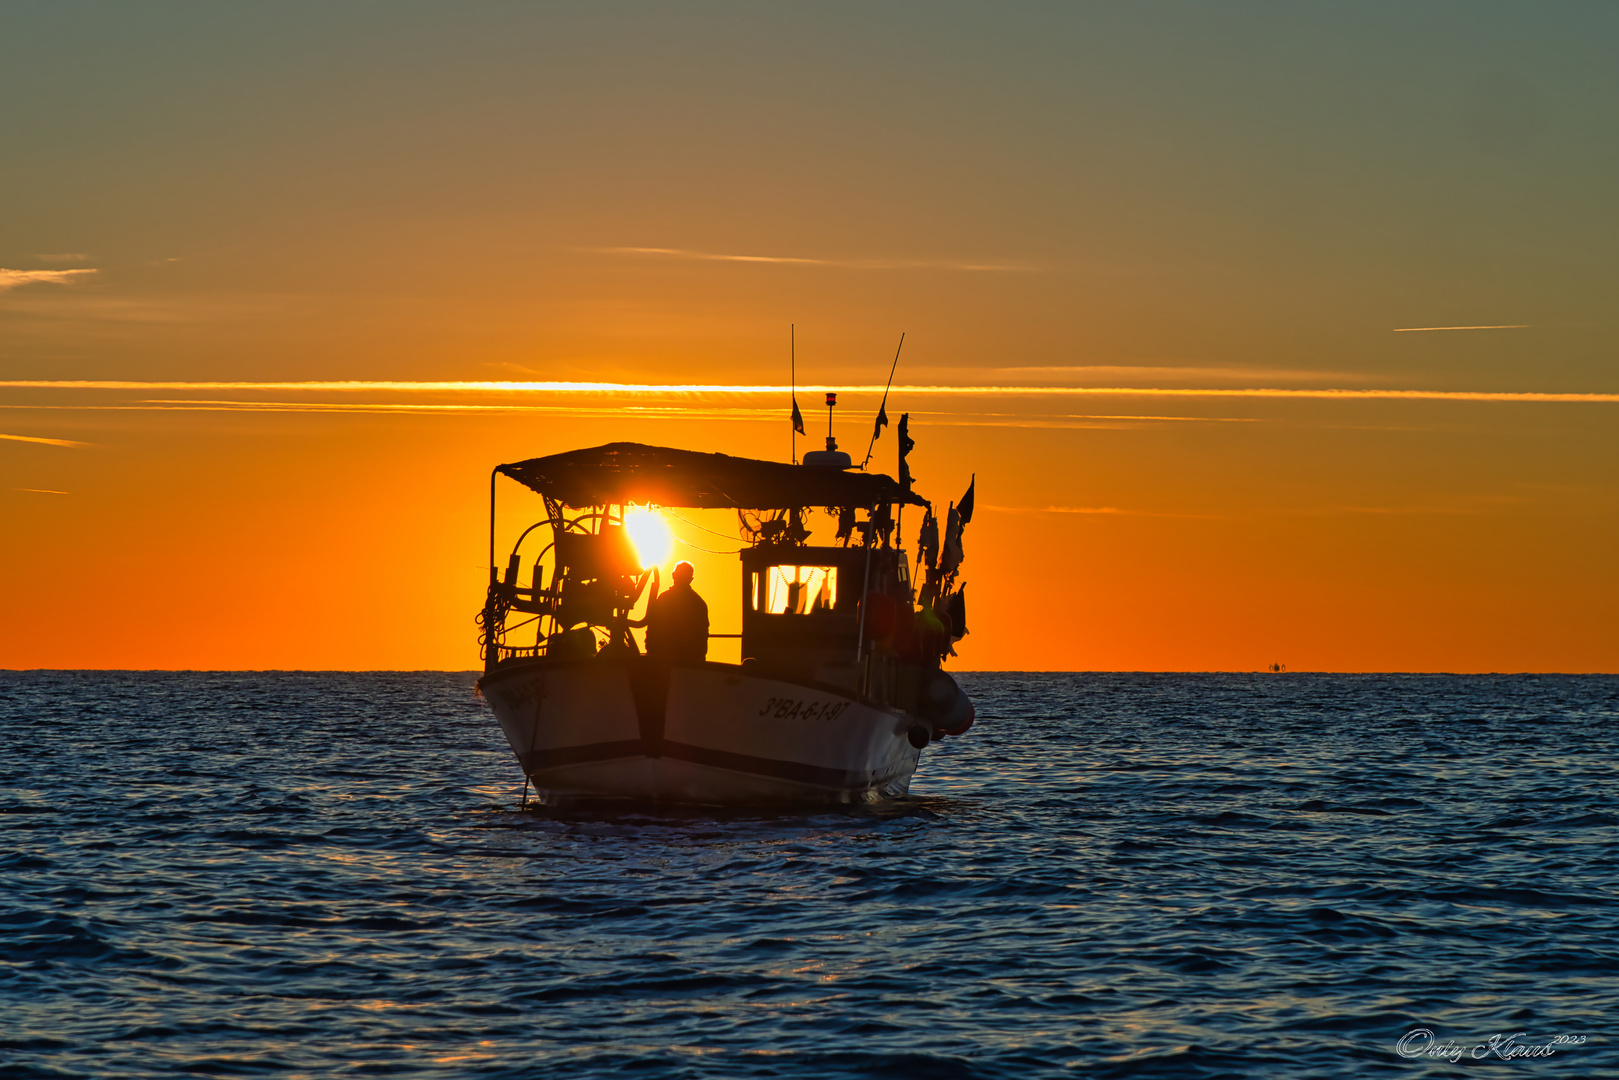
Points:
650	535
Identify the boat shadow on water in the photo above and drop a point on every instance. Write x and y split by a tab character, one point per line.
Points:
633	812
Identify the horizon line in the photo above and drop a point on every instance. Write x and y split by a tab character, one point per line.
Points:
1481	672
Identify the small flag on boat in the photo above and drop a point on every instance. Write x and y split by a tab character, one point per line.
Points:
950	554
906	445
965	507
927	541
798	417
882	422
956	608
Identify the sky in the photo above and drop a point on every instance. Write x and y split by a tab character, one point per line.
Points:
1272	333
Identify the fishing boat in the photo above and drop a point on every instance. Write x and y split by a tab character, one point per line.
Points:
840	685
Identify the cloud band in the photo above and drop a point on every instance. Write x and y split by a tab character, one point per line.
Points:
617	388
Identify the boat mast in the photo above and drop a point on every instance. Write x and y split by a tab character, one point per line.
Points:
493	473
882	410
792	361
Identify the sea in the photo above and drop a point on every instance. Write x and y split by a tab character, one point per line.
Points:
1111	875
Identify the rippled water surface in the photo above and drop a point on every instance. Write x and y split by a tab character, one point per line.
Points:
328	875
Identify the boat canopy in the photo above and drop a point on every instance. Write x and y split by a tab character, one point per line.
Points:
633	472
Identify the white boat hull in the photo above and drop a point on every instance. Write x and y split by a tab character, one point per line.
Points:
711	734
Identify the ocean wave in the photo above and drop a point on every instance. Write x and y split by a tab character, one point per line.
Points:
268	874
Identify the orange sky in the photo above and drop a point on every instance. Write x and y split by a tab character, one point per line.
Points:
1141	203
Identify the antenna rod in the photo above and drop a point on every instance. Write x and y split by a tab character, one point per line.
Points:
493	473
792	360
894	367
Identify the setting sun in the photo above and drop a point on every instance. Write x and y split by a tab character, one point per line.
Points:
650	535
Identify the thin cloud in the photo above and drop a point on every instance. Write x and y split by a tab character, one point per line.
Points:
854	264
1106	510
1062	421
52	305
708	256
1336	511
621	410
40	491
521	369
613	410
674	389
43	441
1426	329
1095	416
1059	510
1172	372
11	279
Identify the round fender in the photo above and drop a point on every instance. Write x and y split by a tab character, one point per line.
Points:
938	695
972	714
943	702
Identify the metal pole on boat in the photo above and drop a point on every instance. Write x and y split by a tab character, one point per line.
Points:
792	362
882	410
860	634
493	474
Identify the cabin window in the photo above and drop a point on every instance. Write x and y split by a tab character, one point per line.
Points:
795	590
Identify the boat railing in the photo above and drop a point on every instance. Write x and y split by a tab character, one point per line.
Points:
504	653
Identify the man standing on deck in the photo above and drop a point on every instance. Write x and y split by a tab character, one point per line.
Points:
677	621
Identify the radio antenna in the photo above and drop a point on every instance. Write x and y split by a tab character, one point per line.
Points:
792	360
882	410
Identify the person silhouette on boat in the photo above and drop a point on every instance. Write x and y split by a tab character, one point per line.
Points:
677	621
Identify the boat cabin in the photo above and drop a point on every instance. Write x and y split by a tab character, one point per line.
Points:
801	609
842	615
